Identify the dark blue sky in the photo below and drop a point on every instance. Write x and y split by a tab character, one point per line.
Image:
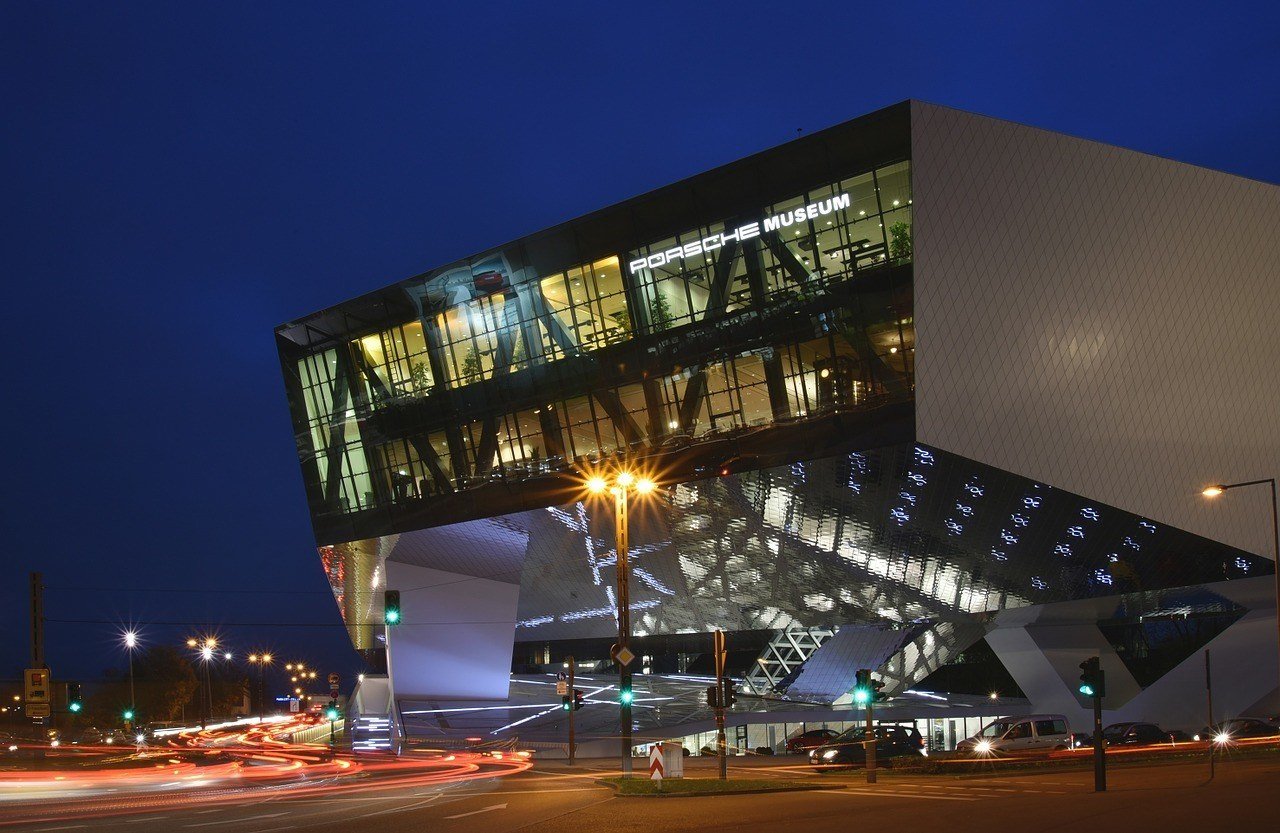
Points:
179	178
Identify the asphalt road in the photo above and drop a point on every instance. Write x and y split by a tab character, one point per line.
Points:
551	797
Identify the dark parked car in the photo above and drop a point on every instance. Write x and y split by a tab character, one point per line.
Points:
805	741
1238	728
1137	734
848	749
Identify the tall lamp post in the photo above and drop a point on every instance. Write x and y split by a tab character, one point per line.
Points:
1215	491
205	648
261	661
623	484
130	642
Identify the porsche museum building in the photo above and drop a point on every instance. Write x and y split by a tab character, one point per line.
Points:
927	392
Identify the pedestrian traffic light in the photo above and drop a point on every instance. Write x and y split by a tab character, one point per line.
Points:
1093	682
391	607
625	696
74	701
863	692
566	702
713	696
730	695
578	701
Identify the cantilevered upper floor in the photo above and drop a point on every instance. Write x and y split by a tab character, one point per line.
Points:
752	315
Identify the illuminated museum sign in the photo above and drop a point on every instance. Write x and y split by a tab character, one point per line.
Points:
744	232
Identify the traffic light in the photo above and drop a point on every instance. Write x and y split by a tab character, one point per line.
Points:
331	713
566	702
128	715
74	701
863	692
391	607
625	696
713	696
730	695
578	702
1093	682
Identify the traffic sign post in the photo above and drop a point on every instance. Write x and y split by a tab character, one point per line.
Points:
36	710
573	706
35	684
656	764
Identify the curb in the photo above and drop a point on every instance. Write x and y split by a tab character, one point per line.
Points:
755	791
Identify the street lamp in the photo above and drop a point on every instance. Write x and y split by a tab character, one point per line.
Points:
624	483
261	661
130	638
206	647
1217	489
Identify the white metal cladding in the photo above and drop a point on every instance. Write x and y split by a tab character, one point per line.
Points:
1097	319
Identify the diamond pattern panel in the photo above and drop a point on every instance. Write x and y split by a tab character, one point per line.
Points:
1098	320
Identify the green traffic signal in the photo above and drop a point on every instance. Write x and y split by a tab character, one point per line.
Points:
1086	689
74	706
626	696
861	696
331	714
128	714
391	607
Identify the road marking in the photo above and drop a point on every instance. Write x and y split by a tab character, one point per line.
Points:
478	812
403	809
237	820
64	827
148	818
888	794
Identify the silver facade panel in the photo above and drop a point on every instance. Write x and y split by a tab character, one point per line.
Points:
1097	319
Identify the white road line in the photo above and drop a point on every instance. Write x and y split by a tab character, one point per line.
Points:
148	818
406	808
64	827
237	820
490	808
887	794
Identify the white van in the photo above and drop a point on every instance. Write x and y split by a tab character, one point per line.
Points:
1020	734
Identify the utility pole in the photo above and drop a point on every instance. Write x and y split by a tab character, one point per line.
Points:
1208	687
870	743
721	751
37	622
573	707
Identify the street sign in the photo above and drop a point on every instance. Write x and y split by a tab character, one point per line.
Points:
36	683
625	656
334	679
293	705
655	762
562	688
38	710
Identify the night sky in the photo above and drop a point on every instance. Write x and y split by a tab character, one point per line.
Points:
180	178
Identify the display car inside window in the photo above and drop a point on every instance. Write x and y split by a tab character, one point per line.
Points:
782	313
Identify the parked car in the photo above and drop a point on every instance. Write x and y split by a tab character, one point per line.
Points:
1020	734
1138	734
1238	728
805	741
849	749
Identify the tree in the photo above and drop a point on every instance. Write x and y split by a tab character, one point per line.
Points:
420	376
164	681
471	365
900	241
659	312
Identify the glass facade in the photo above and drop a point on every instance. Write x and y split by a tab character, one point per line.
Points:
487	385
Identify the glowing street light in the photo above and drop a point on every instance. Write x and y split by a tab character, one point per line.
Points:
1214	490
624	483
130	638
